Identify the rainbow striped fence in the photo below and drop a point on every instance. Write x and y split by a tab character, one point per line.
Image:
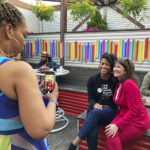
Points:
89	52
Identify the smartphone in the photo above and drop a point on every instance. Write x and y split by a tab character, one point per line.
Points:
49	82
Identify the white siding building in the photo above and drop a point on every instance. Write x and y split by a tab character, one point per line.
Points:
115	21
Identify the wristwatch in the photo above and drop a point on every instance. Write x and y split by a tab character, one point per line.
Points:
53	101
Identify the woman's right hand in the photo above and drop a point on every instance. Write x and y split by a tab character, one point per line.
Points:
54	95
143	100
98	106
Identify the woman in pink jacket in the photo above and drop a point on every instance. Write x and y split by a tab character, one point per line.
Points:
132	119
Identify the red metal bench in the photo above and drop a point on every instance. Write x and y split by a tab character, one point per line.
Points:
75	103
143	143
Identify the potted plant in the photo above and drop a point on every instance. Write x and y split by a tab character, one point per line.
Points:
82	9
43	12
133	7
97	22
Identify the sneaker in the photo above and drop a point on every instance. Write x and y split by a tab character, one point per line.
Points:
72	147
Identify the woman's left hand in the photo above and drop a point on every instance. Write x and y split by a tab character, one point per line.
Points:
111	130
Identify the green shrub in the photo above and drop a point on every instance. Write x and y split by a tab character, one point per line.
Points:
80	10
43	12
133	7
97	21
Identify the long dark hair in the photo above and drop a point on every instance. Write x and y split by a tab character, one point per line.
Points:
129	69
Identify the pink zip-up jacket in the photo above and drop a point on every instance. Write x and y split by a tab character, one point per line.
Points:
131	110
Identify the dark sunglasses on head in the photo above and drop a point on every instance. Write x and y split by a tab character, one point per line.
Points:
43	55
126	60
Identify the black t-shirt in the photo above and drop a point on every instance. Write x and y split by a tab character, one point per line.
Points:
100	91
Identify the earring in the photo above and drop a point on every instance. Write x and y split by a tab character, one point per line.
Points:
16	41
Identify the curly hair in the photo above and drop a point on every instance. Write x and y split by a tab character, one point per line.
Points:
9	14
111	58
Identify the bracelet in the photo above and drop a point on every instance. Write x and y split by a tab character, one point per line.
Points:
53	101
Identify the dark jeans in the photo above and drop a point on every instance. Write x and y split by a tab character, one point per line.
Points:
90	127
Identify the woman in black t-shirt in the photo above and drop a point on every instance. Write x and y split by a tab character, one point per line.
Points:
101	109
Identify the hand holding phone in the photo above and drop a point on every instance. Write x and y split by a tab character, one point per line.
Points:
49	82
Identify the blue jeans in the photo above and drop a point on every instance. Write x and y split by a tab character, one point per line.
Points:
90	127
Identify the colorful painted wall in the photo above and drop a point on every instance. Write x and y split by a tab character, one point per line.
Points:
134	49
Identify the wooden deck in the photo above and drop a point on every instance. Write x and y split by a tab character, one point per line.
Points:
60	140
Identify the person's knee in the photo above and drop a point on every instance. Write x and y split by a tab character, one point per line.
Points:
94	112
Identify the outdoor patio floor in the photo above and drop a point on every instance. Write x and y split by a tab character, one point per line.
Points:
60	140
